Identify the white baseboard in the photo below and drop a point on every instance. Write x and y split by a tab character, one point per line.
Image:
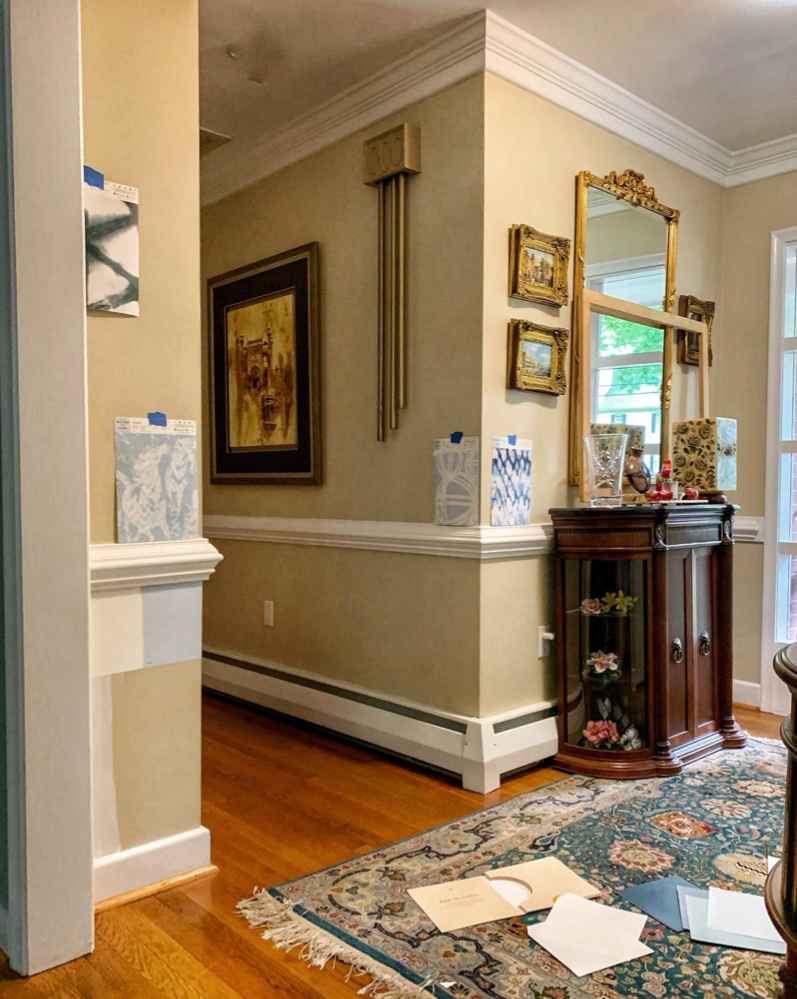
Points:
745	692
481	750
150	863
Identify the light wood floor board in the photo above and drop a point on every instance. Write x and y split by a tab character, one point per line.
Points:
280	800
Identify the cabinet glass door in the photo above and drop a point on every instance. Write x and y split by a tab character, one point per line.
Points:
606	654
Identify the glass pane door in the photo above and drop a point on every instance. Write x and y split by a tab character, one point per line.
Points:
607	673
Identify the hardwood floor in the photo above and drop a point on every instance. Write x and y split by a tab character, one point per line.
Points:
280	800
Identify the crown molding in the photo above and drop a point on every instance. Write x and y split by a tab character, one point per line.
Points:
481	542
531	64
488	43
767	159
448	59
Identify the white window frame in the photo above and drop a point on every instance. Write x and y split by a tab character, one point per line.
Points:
593	275
775	695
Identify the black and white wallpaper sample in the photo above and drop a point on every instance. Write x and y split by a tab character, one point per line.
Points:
112	248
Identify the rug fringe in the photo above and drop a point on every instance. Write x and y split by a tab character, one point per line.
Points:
287	930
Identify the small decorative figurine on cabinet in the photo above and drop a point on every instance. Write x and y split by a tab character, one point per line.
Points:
636	471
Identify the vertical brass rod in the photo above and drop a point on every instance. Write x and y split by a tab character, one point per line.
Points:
380	346
393	382
401	359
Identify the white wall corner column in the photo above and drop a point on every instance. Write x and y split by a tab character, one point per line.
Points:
146	612
45	491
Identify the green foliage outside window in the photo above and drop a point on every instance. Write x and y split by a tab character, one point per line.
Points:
620	337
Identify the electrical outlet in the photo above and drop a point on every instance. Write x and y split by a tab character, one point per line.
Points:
268	613
544	636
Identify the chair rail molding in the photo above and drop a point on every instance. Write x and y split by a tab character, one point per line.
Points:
481	542
151	563
749	529
488	43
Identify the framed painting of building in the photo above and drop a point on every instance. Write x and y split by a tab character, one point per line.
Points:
265	371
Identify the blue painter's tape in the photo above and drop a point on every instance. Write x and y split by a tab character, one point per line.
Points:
157	419
456	437
512	438
93	177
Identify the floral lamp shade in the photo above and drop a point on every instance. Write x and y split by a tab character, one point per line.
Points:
704	453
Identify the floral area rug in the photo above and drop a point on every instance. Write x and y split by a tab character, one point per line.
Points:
707	825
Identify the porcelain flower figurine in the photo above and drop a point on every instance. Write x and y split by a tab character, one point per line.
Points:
601	734
624	604
599	662
630	739
591	606
619	602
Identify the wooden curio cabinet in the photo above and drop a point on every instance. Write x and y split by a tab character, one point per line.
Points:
644	646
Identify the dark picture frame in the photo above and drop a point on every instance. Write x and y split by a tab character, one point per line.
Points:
265	367
688	344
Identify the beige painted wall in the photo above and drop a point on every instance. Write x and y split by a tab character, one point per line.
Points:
140	125
751	213
527	180
482	171
522	184
324	198
404	625
156	751
140	122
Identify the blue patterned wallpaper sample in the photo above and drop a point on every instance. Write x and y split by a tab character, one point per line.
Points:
510	495
156	481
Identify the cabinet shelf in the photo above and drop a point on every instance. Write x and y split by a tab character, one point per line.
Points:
601	617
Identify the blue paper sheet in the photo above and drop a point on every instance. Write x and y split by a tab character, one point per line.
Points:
659	899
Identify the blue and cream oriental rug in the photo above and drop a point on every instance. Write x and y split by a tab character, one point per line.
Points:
706	825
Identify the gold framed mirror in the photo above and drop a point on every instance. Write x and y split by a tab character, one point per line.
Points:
625	248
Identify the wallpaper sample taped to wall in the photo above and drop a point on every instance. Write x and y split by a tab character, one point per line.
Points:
111	214
456	482
157	496
510	495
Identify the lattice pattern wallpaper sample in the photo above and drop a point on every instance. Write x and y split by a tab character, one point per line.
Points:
510	495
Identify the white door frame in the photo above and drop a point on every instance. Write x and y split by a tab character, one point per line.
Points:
775	695
43	448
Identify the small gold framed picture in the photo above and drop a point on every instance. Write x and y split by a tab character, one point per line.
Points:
536	357
688	343
538	266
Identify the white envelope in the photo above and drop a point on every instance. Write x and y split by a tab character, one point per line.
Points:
737	912
501	894
700	931
587	937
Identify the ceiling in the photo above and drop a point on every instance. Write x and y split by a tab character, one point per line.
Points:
728	68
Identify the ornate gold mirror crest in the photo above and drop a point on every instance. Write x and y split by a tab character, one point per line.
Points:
599	197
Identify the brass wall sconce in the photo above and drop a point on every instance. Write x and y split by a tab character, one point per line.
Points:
389	157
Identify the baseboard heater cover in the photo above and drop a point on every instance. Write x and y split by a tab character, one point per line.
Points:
480	750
